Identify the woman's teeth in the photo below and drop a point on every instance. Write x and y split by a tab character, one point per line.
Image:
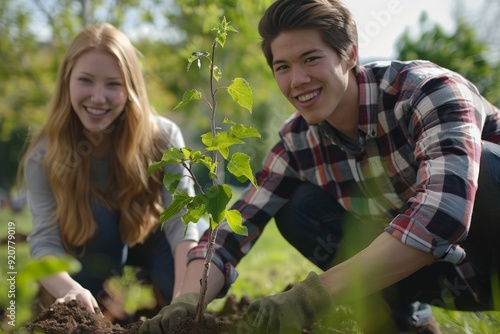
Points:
97	112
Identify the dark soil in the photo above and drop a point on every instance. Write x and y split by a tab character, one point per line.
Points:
74	318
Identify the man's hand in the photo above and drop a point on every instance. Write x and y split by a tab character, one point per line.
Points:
289	311
170	316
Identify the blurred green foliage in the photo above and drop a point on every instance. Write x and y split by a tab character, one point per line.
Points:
170	33
461	51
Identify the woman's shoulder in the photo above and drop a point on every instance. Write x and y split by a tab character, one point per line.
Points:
164	123
37	152
169	132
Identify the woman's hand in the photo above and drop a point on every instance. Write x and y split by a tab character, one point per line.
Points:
64	288
82	295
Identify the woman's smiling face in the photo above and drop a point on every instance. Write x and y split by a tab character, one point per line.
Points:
310	74
97	90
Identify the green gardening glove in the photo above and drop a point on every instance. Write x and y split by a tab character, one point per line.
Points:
289	311
169	316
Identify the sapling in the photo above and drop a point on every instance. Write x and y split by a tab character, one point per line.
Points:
217	142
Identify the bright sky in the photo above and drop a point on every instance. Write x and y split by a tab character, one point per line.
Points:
381	22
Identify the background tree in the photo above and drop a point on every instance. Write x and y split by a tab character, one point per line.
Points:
461	51
22	88
165	32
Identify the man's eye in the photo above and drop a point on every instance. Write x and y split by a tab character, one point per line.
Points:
311	59
280	68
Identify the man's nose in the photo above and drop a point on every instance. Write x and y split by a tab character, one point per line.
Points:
299	76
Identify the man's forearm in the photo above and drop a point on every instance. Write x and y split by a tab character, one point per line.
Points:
384	262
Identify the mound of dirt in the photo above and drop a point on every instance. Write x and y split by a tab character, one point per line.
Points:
74	318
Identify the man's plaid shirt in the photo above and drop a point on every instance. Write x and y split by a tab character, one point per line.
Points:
415	165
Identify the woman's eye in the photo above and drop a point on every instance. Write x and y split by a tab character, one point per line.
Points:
115	83
85	80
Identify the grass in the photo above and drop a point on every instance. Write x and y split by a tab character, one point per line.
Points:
268	269
271	265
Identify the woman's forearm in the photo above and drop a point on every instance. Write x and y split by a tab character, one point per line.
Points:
180	264
64	288
187	277
59	284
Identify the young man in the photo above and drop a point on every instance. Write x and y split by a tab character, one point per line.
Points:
386	177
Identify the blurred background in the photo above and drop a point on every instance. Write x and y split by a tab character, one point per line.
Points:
461	35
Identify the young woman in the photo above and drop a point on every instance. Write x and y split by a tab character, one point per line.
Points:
86	175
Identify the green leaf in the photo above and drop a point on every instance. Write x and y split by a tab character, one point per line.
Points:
222	29
188	153
173	156
170	156
154	166
37	269
189	95
228	121
216	200
221	142
180	199
208	163
171	181
244	131
138	297
207	139
239	166
195	210
196	157
241	93
217	73
234	220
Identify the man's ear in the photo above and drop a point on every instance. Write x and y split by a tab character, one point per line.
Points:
352	61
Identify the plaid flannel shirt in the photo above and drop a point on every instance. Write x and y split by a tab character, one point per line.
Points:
416	163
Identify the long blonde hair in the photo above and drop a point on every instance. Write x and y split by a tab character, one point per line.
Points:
135	144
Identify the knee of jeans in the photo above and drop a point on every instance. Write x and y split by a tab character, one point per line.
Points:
490	163
281	218
289	215
310	206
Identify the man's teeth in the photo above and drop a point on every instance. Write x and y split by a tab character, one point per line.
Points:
96	111
307	97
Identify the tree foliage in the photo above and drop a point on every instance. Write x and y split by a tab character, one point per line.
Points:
35	33
461	51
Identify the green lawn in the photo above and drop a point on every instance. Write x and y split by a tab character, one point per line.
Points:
268	269
270	266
